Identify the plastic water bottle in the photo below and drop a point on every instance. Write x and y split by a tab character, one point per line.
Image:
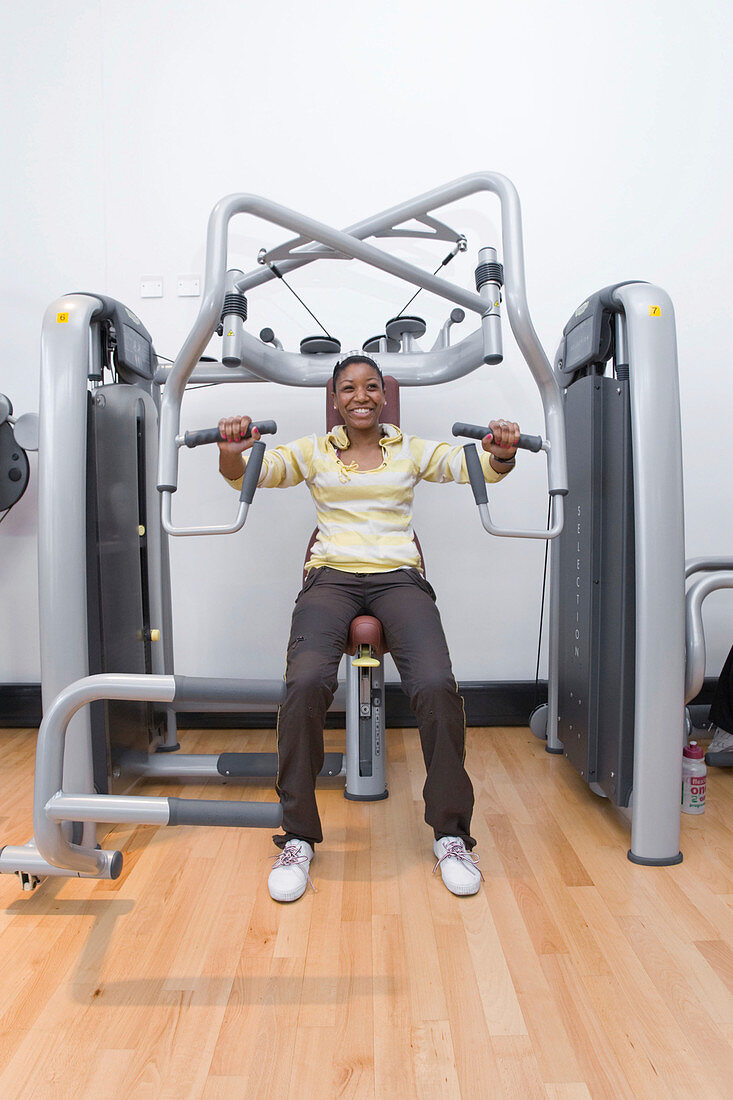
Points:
693	779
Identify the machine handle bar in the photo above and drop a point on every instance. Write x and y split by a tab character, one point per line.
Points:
249	484
213	435
476	431
252	473
478	485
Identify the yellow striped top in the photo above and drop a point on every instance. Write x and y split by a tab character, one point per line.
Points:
365	516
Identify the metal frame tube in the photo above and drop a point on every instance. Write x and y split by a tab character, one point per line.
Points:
660	566
221	529
51	775
62	494
176	765
556	523
25	859
445	363
698	591
111	808
698	565
53	805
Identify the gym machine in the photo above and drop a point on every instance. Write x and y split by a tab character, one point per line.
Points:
617	612
72	794
109	708
16	438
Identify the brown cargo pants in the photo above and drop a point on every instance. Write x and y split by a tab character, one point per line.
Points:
404	603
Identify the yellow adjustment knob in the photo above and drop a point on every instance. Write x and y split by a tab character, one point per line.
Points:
365	659
154	635
141	530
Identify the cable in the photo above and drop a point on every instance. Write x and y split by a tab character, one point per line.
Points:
280	276
460	246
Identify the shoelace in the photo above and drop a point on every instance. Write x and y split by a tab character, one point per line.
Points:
454	849
292	855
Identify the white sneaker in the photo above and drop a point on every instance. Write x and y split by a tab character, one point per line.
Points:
720	749
722	740
289	876
457	866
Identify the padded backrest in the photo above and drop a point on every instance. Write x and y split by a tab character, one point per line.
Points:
390	414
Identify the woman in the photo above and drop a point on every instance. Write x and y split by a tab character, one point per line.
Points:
364	561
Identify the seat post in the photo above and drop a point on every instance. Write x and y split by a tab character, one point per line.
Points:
365	748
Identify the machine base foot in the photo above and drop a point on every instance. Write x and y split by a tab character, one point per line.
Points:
555	752
28	881
366	797
670	862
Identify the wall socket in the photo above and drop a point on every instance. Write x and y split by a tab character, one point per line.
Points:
151	286
189	286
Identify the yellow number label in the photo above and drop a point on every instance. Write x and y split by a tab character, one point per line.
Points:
655	311
62	318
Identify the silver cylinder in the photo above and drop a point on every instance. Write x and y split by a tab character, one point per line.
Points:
232	324
491	319
231	348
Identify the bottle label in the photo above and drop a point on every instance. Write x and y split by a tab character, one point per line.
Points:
693	794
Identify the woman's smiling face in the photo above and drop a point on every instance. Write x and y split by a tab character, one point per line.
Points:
359	396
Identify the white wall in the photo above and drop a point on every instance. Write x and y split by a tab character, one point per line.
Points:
127	121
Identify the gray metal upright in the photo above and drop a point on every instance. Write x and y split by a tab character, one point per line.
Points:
646	330
660	570
62	558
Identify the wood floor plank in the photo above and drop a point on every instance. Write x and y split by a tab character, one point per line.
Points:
475	1062
576	1090
602	1070
414	877
352	1065
517	1065
501	1009
676	991
434	1062
631	1003
319	1001
545	933
225	1088
394	1073
719	956
553	1048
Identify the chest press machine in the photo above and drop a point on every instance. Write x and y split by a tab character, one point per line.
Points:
109	716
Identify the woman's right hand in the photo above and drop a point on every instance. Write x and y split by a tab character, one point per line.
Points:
233	430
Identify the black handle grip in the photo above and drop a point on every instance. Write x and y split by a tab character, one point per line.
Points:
477	431
476	474
213	435
252	473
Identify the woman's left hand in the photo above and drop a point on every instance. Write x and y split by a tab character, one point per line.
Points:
502	442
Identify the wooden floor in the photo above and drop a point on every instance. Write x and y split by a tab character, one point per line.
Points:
573	973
